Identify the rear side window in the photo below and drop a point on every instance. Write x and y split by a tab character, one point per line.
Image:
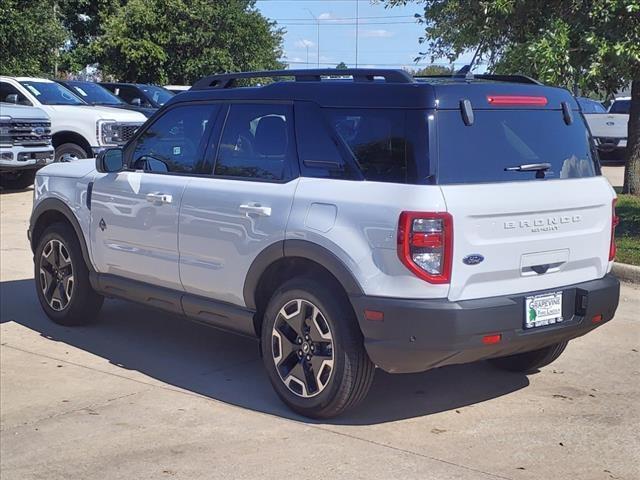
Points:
621	106
500	139
375	139
257	142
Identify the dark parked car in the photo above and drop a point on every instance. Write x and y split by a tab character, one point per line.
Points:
95	94
139	94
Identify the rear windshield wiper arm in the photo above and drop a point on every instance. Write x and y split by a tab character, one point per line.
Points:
539	168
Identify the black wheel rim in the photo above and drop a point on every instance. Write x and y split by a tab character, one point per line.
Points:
56	275
302	348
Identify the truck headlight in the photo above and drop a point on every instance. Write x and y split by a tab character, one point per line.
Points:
111	132
5	138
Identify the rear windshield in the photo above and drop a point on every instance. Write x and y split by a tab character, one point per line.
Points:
621	106
500	139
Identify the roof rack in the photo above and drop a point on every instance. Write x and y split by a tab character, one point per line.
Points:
228	80
487	76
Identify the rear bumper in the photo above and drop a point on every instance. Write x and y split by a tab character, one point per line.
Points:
417	335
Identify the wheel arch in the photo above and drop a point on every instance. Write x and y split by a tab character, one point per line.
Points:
285	259
67	136
50	211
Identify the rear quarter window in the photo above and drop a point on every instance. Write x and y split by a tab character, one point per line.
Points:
499	139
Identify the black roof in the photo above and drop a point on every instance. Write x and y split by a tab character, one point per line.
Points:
376	88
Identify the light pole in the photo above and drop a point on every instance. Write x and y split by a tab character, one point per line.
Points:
318	27
357	25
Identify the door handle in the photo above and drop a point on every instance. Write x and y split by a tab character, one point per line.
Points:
159	198
255	209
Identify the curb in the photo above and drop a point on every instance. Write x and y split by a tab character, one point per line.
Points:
626	273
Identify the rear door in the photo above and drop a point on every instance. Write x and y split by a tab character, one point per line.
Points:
228	218
532	230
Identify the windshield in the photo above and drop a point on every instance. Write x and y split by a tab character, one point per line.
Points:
94	94
158	94
500	139
621	106
50	93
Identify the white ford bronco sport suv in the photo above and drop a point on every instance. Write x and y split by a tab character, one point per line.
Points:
25	144
373	220
78	130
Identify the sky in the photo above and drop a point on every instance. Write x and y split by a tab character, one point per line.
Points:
386	37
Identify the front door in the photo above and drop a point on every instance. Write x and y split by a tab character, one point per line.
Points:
134	213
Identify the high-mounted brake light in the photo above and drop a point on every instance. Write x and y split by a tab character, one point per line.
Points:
534	101
425	244
615	220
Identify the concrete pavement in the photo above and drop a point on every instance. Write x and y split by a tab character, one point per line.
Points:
142	394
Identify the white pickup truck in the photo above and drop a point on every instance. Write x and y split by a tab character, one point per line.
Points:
78	130
609	129
25	144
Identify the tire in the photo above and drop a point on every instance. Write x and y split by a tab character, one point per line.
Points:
529	362
70	151
17	180
58	261
341	372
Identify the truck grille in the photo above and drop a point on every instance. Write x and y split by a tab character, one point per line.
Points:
25	132
126	131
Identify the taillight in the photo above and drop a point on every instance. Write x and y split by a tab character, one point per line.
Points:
535	101
615	220
425	244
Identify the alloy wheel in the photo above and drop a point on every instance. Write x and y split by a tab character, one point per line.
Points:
56	275
302	348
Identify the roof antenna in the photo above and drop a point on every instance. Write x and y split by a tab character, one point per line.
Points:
466	70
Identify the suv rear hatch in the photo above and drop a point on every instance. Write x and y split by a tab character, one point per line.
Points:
517	227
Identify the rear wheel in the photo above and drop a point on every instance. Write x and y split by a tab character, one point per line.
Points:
62	278
313	349
530	361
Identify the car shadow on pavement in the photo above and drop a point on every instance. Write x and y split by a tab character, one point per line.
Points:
228	368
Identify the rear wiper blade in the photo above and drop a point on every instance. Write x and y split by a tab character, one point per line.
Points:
530	167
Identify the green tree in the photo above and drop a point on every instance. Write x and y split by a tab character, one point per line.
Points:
341	66
433	70
584	45
30	37
180	41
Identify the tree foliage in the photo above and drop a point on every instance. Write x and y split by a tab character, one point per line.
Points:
433	70
585	45
30	36
182	40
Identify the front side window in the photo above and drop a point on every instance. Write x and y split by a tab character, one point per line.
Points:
50	93
257	142
10	94
173	143
376	139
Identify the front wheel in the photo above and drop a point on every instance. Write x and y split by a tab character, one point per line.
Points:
530	361
313	349
62	278
68	152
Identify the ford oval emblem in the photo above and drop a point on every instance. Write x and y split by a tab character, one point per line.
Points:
473	259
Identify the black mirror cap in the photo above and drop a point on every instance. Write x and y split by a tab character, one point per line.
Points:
110	160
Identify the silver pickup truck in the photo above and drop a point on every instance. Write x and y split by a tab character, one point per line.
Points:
25	144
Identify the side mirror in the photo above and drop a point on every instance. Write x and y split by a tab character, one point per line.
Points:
136	102
12	98
110	160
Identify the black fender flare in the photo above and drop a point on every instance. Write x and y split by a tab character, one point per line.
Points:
301	249
57	205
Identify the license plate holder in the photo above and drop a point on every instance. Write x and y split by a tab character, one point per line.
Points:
542	310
